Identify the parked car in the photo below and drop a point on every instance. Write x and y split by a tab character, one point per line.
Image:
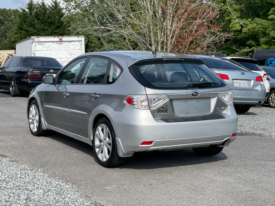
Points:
271	73
265	57
247	87
22	74
252	65
127	102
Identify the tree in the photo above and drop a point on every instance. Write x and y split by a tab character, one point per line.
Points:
251	22
40	19
7	30
147	24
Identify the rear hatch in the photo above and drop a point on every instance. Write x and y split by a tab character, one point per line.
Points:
240	80
182	90
37	73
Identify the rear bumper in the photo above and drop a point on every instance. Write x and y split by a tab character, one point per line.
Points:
28	85
243	97
166	136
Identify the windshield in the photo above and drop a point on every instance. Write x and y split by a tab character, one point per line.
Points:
270	71
40	62
175	75
223	64
251	66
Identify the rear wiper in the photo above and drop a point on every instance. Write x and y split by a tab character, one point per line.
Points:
202	84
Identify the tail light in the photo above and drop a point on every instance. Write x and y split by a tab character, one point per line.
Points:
234	135
266	77
223	76
142	102
259	79
33	76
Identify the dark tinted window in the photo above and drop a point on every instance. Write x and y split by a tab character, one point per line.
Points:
69	75
15	62
265	57
6	64
40	62
174	75
95	71
270	71
250	66
222	64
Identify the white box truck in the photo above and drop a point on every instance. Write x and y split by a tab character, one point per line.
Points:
62	48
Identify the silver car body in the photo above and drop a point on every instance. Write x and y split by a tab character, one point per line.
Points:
262	73
74	109
253	94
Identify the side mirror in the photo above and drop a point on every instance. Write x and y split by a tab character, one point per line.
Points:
48	79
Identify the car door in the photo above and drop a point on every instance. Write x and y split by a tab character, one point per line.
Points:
87	95
56	98
4	81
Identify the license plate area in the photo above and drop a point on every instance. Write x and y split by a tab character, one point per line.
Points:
240	83
192	107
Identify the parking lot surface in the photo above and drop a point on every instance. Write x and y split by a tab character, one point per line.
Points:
243	174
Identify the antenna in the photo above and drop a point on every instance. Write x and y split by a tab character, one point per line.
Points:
155	51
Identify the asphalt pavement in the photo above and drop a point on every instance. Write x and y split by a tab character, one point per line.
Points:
243	174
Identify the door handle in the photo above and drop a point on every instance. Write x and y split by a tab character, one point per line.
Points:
66	94
95	95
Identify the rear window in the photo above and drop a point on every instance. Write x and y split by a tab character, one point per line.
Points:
270	71
40	62
250	66
265	57
222	64
175	75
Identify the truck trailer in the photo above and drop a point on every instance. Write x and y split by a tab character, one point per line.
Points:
62	48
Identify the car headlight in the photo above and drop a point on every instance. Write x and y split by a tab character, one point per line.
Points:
226	97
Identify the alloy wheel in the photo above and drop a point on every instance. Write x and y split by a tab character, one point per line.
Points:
103	142
33	118
12	87
272	99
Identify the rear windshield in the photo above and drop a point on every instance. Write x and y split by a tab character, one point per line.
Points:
250	66
270	71
40	62
223	64
175	75
265	57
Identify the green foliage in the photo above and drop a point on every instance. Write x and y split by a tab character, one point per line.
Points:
39	19
7	31
252	23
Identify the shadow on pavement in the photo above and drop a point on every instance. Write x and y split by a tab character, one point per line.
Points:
146	160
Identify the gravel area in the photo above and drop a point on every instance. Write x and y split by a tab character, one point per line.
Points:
258	121
20	185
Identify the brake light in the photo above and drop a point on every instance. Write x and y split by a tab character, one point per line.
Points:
234	135
223	76
259	79
146	143
33	76
266	77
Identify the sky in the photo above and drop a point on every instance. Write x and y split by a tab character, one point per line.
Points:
16	4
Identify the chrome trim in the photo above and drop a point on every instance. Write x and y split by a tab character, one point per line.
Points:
60	108
64	109
76	111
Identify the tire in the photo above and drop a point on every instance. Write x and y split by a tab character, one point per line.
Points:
242	108
34	118
13	89
208	151
107	146
271	99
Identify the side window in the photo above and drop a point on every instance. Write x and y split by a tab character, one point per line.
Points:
95	71
69	75
6	64
13	62
114	73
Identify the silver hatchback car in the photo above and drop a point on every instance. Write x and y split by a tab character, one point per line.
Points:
122	102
